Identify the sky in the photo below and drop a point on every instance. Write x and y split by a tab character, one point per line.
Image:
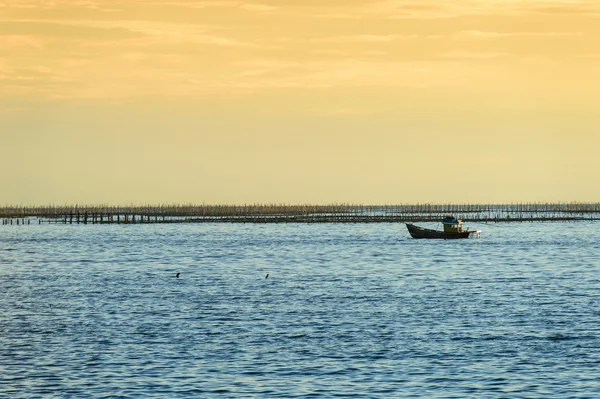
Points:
299	101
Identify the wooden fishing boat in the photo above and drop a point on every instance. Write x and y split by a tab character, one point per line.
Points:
452	230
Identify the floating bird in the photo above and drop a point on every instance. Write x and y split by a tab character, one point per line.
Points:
267	275
177	275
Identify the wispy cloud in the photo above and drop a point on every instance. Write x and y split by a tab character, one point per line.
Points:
471	55
350	72
134	48
476	34
258	7
17	41
337	16
435	9
356	39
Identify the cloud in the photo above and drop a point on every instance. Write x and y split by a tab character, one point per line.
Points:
356	39
591	56
79	31
258	7
471	55
38	82
139	76
261	74
564	8
18	41
194	48
476	34
408	9
338	16
174	42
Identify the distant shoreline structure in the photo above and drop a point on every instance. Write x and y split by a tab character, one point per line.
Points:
274	213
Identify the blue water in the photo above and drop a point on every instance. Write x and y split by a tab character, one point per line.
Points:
91	311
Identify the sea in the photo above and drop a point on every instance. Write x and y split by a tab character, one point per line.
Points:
299	311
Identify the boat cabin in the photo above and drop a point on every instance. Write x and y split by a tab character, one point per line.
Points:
452	224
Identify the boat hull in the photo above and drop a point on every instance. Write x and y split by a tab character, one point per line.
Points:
421	232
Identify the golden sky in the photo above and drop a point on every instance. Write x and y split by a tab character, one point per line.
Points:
290	101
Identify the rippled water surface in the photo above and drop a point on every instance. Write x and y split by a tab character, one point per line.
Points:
347	310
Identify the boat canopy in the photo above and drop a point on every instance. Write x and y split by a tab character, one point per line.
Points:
452	224
451	220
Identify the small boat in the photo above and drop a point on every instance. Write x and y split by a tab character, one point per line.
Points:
452	229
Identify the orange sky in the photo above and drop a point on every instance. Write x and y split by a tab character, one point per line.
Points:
299	101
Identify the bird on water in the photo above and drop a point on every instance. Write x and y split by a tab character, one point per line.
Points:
177	275
267	275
